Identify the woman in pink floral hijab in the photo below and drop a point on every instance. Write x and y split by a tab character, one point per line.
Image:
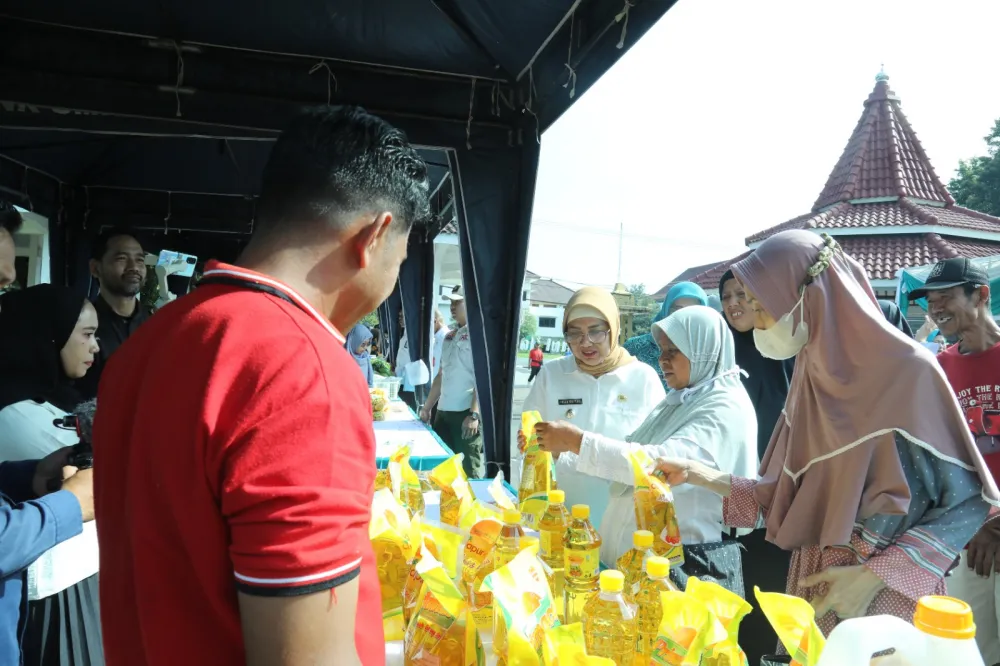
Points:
871	478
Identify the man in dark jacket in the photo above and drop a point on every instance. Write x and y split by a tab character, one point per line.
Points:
32	521
118	264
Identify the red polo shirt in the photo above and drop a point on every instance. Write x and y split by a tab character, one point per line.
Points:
234	451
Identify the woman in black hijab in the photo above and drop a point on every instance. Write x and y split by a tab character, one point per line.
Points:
764	564
48	340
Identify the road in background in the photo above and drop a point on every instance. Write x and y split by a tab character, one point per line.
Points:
521	388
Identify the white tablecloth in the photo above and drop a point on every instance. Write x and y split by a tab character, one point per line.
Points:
401	427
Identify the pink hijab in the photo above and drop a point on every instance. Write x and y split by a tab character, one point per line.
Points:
832	459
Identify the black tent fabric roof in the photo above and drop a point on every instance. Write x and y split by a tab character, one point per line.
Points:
160	116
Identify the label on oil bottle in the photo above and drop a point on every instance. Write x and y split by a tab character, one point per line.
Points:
545	543
582	563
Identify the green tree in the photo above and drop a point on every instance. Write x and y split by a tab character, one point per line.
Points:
529	326
642	322
977	183
370	319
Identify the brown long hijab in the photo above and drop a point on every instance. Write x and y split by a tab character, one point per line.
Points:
602	301
858	381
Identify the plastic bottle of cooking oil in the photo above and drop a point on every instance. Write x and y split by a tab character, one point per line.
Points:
507	548
633	563
649	609
551	532
582	562
509	541
609	624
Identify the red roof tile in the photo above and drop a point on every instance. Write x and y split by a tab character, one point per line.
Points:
882	256
902	213
883	158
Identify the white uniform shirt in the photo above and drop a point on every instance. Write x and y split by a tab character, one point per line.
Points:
614	405
439	337
459	379
403	360
27	433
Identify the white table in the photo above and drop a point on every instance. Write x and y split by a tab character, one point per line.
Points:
401	426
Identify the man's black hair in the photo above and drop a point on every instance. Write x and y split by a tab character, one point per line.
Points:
100	246
10	218
333	162
969	288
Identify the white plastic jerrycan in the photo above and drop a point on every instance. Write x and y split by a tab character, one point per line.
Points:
942	633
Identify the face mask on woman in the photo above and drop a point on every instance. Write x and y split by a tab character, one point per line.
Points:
783	340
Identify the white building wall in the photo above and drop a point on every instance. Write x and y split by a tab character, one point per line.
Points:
550	333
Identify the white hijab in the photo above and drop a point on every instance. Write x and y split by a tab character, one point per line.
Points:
714	412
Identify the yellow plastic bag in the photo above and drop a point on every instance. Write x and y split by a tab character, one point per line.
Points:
794	620
499	493
565	639
687	629
405	482
395	541
445	544
537	467
456	493
484	525
522	597
439	631
382	480
654	508
730	609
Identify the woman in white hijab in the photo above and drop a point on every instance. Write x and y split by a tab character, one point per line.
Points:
707	416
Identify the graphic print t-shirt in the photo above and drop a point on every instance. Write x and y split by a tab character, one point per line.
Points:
976	381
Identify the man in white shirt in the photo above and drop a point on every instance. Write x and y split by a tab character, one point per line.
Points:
454	394
441	330
406	391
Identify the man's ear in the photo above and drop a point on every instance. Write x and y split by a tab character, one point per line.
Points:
372	236
95	270
984	295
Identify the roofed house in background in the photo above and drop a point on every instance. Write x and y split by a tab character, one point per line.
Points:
686	276
884	203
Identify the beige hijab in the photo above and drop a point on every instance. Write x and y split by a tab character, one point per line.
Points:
857	383
590	301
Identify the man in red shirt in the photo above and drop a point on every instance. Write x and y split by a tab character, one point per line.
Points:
535	360
958	300
235	456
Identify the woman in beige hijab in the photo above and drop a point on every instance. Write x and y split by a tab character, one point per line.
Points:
871	478
600	387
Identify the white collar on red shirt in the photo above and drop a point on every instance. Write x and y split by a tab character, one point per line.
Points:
217	268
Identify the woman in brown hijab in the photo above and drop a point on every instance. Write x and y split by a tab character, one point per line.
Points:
871	478
599	387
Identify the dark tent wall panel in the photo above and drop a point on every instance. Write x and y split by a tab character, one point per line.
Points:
494	191
416	289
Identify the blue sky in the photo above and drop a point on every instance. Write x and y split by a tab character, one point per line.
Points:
728	115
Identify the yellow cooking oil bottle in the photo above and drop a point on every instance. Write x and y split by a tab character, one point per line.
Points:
609	622
507	548
581	561
633	563
551	532
649	606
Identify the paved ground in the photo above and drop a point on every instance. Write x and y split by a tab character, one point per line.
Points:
521	388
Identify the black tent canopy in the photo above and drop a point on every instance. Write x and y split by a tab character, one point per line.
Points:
160	116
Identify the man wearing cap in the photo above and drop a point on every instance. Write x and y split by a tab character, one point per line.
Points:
454	394
958	302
